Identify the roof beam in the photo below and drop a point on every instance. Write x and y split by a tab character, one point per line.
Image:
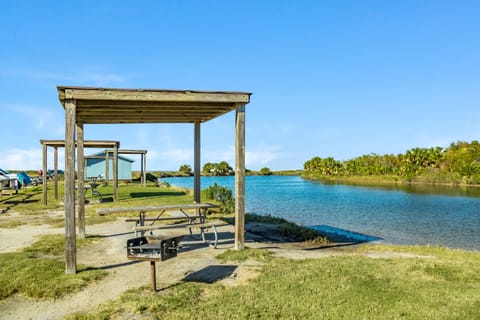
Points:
147	104
87	143
86	93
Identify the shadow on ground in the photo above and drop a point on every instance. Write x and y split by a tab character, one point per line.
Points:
211	274
14	200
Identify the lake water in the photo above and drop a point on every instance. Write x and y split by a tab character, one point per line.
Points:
444	216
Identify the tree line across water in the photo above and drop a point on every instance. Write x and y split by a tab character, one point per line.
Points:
222	168
459	164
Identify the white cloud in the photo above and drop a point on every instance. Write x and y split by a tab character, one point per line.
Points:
176	155
59	130
39	118
29	159
21	159
262	156
167	159
91	76
88	77
255	158
227	154
101	78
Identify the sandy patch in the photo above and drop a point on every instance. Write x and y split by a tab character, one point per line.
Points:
16	238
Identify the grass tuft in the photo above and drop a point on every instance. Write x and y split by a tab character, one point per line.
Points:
52	245
38	272
245	254
42	278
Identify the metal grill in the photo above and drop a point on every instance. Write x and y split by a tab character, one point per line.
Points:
158	249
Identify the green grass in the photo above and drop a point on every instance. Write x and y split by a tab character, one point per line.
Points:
11	224
38	271
41	277
376	180
30	201
52	245
346	287
287	172
452	256
243	255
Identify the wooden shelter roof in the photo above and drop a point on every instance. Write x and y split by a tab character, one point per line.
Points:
103	155
107	105
128	151
86	143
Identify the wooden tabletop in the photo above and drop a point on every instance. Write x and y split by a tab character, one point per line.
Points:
105	211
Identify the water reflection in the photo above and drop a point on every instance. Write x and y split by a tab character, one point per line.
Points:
447	189
400	214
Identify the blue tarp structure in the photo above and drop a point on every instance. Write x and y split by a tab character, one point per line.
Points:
343	235
23	178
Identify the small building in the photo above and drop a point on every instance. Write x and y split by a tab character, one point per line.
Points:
96	165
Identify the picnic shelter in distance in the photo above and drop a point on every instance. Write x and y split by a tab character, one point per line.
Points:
55	144
92	105
101	164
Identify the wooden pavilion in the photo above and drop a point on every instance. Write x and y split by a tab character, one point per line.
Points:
81	197
88	105
55	144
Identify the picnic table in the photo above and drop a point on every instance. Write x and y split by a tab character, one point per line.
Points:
195	219
93	187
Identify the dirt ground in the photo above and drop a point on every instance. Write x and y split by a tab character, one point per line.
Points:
195	261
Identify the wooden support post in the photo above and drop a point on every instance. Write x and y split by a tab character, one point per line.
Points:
70	238
196	165
107	166
115	173
44	175
81	181
141	171
144	169
240	177
55	169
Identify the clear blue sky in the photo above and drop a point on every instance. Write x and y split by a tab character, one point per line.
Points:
329	78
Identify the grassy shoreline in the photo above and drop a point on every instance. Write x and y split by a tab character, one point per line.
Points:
382	181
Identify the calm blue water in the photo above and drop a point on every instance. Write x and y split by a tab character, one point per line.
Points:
438	216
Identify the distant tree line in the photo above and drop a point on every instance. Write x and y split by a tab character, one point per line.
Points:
219	169
459	163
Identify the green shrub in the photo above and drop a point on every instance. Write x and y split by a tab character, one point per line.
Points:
222	195
265	171
150	177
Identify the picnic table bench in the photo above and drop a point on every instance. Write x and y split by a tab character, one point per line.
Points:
195	220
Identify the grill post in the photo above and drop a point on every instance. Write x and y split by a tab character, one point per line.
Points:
153	275
160	249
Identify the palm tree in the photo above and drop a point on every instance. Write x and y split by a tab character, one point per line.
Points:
186	170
